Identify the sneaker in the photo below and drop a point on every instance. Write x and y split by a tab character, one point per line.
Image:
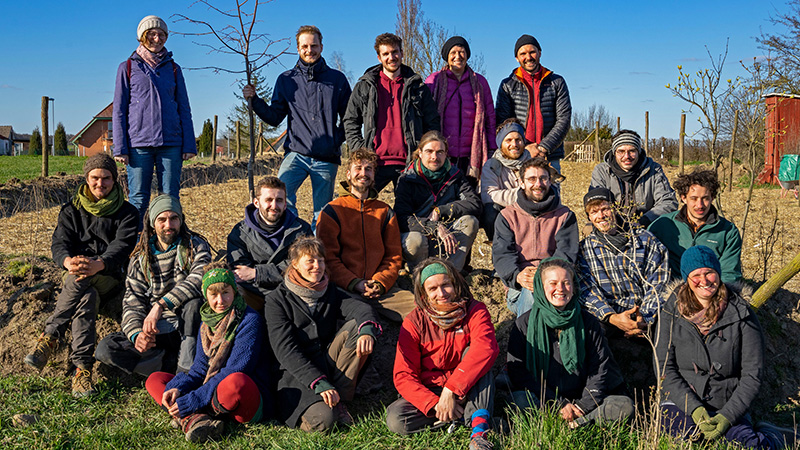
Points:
46	345
479	442
82	383
200	428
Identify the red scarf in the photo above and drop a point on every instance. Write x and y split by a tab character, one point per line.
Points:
533	128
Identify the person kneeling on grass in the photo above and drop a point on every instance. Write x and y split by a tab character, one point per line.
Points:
318	359
230	373
711	352
445	352
564	345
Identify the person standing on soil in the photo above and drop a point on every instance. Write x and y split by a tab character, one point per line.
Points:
539	99
362	240
258	246
230	375
466	109
637	182
500	178
534	227
394	108
711	353
321	338
699	223
152	119
445	353
436	207
557	352
160	318
95	233
314	97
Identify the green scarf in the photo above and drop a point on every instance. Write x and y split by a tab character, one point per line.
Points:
211	318
217	344
430	174
103	207
544	315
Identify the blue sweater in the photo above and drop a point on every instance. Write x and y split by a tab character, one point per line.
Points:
247	356
315	99
151	107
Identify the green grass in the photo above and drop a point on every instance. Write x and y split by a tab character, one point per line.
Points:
127	418
26	167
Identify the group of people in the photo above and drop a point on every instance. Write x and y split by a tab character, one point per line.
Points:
284	328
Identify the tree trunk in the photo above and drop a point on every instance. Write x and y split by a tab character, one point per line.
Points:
680	143
730	155
45	140
775	282
214	142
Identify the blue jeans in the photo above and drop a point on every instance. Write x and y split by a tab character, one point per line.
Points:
294	170
519	302
141	160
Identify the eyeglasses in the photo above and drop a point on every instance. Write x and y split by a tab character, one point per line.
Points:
156	33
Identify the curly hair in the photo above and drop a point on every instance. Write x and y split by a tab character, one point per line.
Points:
362	155
539	162
389	39
706	178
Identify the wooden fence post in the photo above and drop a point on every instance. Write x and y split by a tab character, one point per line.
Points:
618	127
45	140
647	132
733	142
597	141
238	144
680	143
214	142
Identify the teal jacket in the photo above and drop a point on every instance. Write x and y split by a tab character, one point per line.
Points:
719	235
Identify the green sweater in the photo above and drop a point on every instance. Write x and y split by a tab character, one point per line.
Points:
720	235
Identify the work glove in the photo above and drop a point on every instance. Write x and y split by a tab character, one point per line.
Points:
721	426
701	418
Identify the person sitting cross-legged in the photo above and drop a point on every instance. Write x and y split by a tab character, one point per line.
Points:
230	374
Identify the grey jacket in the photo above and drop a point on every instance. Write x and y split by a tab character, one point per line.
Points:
651	193
512	101
721	371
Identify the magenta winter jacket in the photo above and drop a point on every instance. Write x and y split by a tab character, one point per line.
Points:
459	112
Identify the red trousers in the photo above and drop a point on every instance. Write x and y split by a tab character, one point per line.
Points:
237	395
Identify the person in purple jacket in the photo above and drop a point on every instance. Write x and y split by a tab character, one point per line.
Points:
152	120
230	373
466	109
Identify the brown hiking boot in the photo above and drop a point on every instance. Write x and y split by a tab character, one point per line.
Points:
201	427
342	415
82	383
46	345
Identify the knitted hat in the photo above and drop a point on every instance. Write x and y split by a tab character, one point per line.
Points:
599	193
430	270
100	161
626	138
452	42
163	202
509	128
218	275
698	257
150	22
526	39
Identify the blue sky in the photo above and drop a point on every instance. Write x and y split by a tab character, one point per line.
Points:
618	54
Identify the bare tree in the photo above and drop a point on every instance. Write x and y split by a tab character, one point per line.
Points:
238	38
784	46
583	122
337	62
708	93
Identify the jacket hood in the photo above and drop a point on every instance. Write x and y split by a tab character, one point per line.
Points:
644	162
251	219
311	70
344	191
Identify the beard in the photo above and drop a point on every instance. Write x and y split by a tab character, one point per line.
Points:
167	236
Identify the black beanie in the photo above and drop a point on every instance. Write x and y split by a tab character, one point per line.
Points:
100	161
598	193
452	42
526	39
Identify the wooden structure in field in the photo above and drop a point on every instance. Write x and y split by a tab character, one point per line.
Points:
782	133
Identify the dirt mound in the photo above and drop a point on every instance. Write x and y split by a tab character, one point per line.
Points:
20	196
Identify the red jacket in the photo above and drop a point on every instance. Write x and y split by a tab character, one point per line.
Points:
362	240
427	356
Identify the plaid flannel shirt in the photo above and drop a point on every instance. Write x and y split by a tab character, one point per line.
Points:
614	282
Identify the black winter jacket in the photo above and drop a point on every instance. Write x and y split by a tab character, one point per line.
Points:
300	342
415	199
598	377
420	113
721	371
512	101
247	246
112	238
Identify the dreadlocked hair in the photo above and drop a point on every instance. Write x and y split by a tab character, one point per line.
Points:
459	283
143	245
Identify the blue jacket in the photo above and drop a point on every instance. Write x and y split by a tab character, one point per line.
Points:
313	97
250	355
151	107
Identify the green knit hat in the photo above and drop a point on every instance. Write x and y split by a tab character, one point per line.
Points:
430	270
218	275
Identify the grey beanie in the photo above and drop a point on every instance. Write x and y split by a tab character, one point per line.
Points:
163	202
626	137
509	128
100	161
149	23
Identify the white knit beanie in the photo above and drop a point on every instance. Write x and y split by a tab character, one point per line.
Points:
150	22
